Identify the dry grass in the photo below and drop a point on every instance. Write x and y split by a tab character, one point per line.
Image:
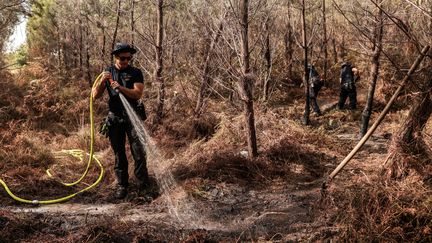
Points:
400	211
44	116
50	114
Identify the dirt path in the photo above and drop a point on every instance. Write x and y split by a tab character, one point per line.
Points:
223	211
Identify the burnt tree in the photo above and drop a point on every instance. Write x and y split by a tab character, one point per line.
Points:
325	41
116	25
408	150
245	85
306	114
267	58
289	40
377	49
159	63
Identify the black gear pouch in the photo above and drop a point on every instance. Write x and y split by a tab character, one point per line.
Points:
140	110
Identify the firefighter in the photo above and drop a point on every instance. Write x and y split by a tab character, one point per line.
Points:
315	85
127	80
348	78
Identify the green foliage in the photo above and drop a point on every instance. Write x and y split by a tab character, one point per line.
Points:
21	55
41	28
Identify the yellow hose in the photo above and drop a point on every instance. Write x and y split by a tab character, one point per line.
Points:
77	153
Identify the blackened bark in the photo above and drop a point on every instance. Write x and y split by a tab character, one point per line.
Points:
132	34
289	40
116	26
335	54
80	44
325	40
306	120
378	35
159	64
246	82
132	26
268	61
87	50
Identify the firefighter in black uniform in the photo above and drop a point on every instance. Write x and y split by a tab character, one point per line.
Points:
315	85
348	78
127	80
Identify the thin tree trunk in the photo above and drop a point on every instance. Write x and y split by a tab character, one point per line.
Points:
378	35
306	120
325	39
342	48
289	40
132	34
335	54
267	58
87	48
205	79
81	44
59	49
117	24
246	82
159	64
103	50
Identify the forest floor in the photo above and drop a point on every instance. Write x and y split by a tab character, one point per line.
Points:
219	195
281	212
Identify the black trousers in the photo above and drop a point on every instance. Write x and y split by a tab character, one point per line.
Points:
118	130
344	94
313	94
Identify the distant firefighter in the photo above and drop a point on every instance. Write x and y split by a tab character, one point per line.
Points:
315	85
348	78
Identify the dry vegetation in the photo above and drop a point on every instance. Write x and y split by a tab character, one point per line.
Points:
275	196
207	154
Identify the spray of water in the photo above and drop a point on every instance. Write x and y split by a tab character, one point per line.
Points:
181	208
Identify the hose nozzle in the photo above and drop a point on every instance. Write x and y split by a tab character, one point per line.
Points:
113	92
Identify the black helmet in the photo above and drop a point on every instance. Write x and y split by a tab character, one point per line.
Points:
123	47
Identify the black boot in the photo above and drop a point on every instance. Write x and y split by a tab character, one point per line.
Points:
121	192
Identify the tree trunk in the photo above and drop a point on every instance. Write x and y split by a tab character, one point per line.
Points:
335	54
103	50
87	49
343	48
205	79
81	44
289	40
378	35
159	64
268	61
59	49
324	39
306	120
116	26
132	33
408	149
246	82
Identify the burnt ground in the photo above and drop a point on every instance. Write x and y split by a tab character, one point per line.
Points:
252	202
